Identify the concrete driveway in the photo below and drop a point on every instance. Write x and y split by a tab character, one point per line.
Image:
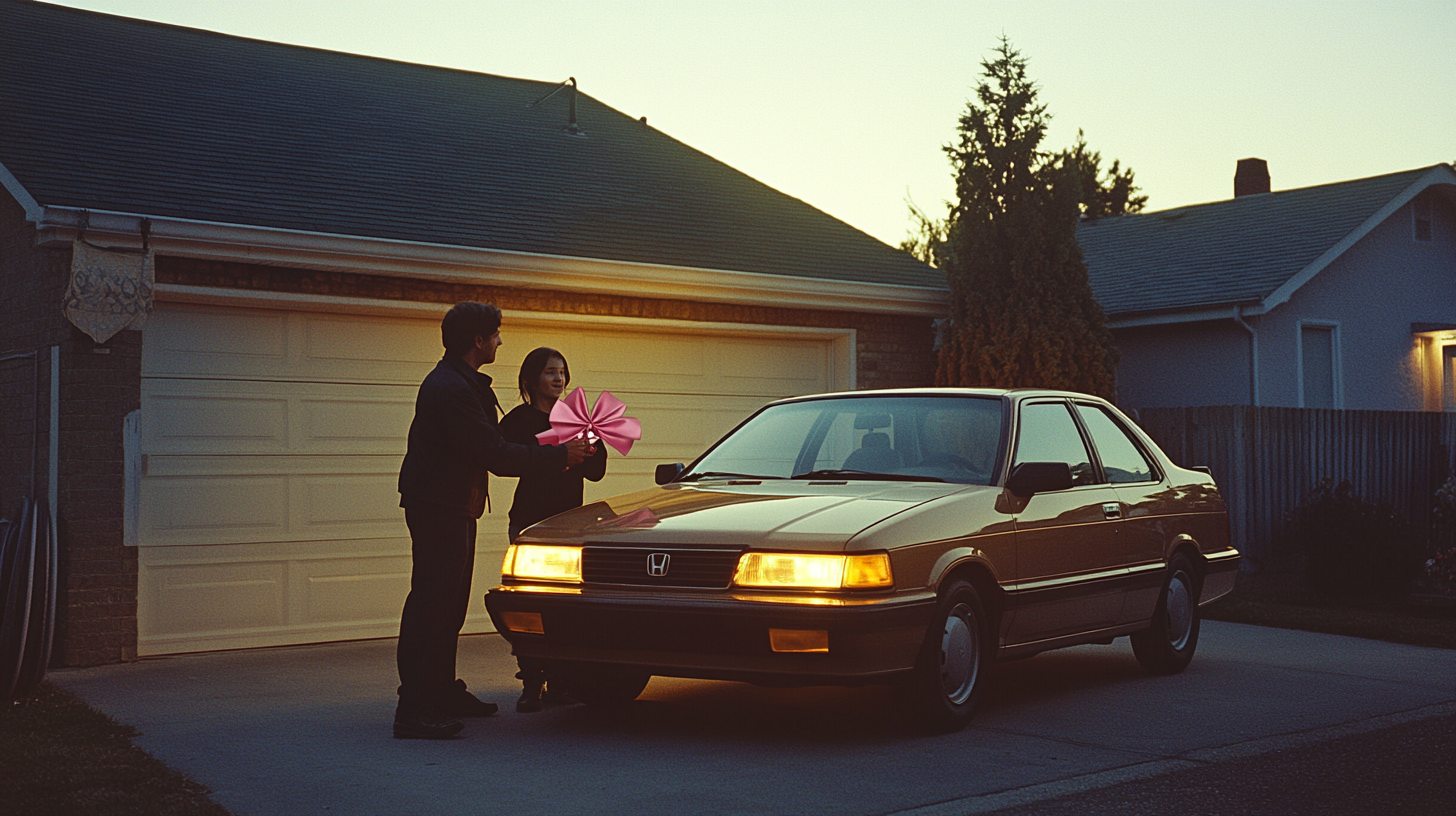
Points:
307	730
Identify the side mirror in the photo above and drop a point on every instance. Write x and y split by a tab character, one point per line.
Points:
667	473
1029	478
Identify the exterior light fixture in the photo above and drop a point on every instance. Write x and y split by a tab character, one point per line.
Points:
572	128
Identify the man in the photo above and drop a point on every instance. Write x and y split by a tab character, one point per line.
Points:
453	442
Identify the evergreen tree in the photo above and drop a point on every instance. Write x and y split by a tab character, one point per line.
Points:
1021	310
1103	194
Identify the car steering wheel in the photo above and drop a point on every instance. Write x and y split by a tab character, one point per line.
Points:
958	463
942	459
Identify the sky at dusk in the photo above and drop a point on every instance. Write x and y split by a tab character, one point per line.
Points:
847	104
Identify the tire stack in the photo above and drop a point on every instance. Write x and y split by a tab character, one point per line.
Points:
28	588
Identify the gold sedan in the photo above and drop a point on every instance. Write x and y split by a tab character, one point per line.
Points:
908	537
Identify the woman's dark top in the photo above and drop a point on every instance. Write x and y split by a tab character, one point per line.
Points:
539	497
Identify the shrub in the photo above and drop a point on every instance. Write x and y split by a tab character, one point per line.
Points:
1439	575
1354	548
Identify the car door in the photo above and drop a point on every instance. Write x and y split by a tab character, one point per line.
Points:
1143	493
1069	560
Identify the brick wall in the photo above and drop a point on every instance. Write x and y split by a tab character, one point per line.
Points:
894	351
96	610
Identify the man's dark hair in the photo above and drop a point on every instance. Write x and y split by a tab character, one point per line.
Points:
533	365
465	322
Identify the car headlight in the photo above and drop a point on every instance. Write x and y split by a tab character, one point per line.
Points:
542	561
803	571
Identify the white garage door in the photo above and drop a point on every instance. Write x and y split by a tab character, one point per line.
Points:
270	442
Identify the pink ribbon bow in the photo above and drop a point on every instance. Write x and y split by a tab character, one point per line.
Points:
570	419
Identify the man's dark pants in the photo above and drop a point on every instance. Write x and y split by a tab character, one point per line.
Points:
444	559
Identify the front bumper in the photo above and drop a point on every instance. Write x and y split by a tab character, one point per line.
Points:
717	636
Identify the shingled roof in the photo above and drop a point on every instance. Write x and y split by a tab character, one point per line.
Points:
1251	250
114	114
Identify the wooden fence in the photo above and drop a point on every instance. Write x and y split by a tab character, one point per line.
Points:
1266	460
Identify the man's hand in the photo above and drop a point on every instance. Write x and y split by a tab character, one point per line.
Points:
578	451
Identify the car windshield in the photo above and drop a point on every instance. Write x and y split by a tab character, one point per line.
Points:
923	438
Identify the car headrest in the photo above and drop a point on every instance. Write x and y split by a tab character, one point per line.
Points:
875	440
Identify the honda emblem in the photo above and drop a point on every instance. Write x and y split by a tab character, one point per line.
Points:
657	564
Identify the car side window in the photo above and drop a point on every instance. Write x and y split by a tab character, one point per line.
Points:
1049	434
1122	460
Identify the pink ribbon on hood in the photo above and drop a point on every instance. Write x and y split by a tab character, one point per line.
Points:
570	419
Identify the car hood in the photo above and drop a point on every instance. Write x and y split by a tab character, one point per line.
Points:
771	514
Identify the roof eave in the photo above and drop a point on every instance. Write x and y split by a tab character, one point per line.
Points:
471	265
1230	311
20	194
1440	174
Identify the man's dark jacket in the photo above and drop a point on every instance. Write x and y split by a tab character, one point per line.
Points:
454	440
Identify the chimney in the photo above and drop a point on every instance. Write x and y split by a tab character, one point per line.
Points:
1252	177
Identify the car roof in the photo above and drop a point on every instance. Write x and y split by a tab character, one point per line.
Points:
997	393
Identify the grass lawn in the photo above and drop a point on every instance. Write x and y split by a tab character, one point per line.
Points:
1397	623
58	756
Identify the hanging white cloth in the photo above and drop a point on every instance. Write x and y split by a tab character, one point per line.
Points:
110	290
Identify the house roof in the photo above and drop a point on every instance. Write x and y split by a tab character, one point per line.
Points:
114	114
1251	251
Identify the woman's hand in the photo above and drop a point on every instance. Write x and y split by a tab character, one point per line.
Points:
578	451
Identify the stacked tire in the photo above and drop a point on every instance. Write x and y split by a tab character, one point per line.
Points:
28	559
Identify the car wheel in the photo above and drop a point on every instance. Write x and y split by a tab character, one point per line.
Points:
1167	646
605	686
942	692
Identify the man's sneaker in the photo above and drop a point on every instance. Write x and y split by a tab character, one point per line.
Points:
461	703
530	699
425	726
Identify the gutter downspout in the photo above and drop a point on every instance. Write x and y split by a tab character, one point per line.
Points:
1253	355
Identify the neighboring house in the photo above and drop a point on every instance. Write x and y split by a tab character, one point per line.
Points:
312	216
1336	296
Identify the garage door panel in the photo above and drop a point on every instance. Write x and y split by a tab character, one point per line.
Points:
383	422
201	598
371	590
223	508
205	598
331	339
776	369
621	357
247	417
355	501
203	340
235	423
207	500
212	342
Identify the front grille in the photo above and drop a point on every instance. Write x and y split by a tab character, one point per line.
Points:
703	569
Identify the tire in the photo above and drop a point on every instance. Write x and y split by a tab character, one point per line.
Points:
942	692
1167	646
605	686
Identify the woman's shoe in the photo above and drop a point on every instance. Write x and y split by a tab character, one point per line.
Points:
554	694
530	701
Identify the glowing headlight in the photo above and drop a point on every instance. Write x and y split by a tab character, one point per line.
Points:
542	561
788	570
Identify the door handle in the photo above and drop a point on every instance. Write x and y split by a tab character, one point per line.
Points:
1112	510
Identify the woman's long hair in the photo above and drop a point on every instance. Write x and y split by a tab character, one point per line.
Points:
533	365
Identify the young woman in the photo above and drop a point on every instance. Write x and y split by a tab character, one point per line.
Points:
543	379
